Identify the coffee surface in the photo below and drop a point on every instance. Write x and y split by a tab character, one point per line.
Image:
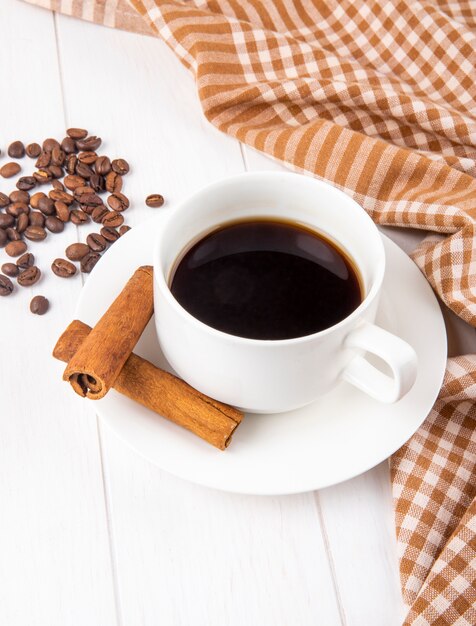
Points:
266	279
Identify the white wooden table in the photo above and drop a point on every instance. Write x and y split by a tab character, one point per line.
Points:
91	534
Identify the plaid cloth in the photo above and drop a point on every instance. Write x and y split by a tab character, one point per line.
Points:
378	97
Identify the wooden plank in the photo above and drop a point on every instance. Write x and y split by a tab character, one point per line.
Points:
55	561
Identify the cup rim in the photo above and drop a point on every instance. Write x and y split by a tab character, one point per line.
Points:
164	288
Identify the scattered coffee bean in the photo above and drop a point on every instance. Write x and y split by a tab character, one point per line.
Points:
6	220
54	225
36	218
3	238
113	219
35	233
120	166
97	182
68	145
42	176
46	206
15	248
89	199
6	286
118	202
10	269
4	200
76	251
33	150
17	208
89	143
84	170
35	199
88	157
80	190
26	260
65	197
110	234
63	268
79	217
39	305
26	183
9	169
23	221
99	213
49	144
72	181
96	242
155	200
57	156
19	196
29	277
102	165
89	261
16	150
44	159
124	229
13	234
56	171
71	163
62	211
56	184
77	133
113	182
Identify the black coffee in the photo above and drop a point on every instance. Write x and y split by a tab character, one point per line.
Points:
266	280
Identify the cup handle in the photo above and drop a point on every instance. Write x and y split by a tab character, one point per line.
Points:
398	354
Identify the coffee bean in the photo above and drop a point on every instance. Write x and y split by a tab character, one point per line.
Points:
89	143
77	133
56	171
6	220
10	269
33	150
76	251
120	166
79	217
17	208
62	211
89	261
13	234
57	156
89	199
88	157
99	213
112	219
71	163
19	196
49	144
63	196
97	182
110	234
39	305
80	190
15	248
44	159
42	176
118	202
3	238
84	170
63	268
35	199
23	221
46	205
35	233
96	242
26	183
29	277
6	286
155	200
9	169
68	145
26	260
16	150
56	184
124	229
71	181
36	218
4	200
113	182
102	165
54	225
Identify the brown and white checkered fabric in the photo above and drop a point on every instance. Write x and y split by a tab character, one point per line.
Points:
378	97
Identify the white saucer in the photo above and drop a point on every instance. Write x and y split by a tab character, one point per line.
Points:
340	436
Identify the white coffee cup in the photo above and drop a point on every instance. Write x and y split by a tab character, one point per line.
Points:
279	375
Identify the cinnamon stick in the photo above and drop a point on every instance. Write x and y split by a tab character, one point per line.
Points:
95	366
160	391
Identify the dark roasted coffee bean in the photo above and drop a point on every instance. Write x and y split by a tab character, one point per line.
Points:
120	166
155	200
89	261
26	260
89	143
90	199
6	220
56	171
29	277
23	221
124	229
19	196
77	133
110	234
96	242
3	238
99	213
56	184
26	183
10	269
35	199
50	144
62	211
76	251
33	150
6	286
4	200
102	165
42	176
71	181
39	305
36	218
13	234
54	225
16	150
71	162
44	159
118	202
113	182
80	190
84	170
79	217
89	157
17	208
57	156
9	169
68	145
63	196
15	248
113	219
63	268
46	205
35	233
97	182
